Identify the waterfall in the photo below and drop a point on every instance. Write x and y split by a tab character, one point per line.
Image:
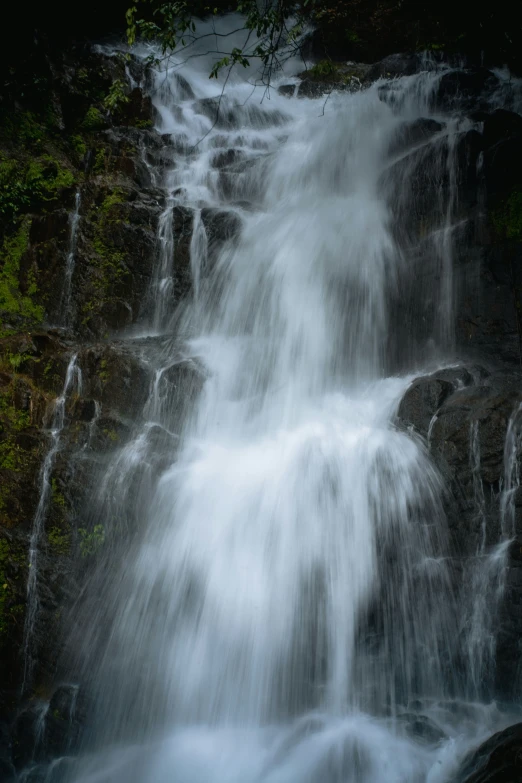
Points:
281	600
74	222
511	480
73	379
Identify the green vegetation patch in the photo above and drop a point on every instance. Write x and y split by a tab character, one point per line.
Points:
12	300
507	218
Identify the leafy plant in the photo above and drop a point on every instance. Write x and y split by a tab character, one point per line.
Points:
277	27
116	96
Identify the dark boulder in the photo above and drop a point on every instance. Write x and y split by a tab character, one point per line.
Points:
422	401
501	125
421	728
65	720
395	65
410	134
503	166
287	90
221	227
465	89
498	760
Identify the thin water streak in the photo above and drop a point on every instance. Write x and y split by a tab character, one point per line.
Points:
72	379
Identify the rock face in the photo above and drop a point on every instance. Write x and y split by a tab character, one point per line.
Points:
78	203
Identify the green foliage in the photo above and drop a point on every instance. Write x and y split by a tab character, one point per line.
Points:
507	218
21	127
94	120
173	26
103	374
325	68
27	184
16	419
113	199
79	145
90	542
57	496
59	540
101	161
12	301
116	96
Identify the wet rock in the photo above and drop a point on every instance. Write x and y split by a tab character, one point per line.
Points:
422	401
498	760
221	227
182	221
422	728
465	89
488	318
28	735
309	88
467	151
395	65
226	114
64	720
413	133
115	378
115	256
83	410
503	165
53	225
287	90
227	158
492	409
501	125
137	109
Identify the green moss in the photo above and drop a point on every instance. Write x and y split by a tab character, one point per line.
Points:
108	260
507	218
79	145
101	162
12	300
59	541
103	374
325	68
12	456
114	198
91	541
94	120
58	497
15	419
143	124
111	435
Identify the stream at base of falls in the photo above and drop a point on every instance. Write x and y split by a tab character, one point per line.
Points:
287	611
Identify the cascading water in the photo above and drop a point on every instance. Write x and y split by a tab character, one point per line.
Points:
74	221
285	604
72	379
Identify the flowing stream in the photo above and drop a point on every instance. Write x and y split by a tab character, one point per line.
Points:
285	612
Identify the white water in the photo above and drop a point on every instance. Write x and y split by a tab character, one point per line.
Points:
287	604
74	222
73	379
